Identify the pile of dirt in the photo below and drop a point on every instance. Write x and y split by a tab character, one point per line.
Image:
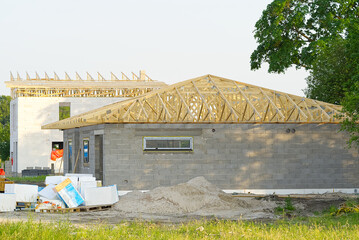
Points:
195	196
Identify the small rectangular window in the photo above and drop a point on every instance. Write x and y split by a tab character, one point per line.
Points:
69	157
64	110
168	143
86	150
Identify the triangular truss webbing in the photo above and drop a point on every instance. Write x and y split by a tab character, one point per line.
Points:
209	99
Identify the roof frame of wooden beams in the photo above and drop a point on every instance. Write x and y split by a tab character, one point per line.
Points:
209	99
82	86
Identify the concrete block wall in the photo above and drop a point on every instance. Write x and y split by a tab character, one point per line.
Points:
232	156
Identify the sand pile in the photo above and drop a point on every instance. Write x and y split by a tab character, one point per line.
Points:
197	195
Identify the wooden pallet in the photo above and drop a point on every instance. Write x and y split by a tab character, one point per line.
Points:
77	209
25	205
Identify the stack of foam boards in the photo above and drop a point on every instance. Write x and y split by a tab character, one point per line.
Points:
7	202
101	195
69	194
49	194
23	192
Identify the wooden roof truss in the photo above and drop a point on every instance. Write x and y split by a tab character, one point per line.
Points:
209	99
82	86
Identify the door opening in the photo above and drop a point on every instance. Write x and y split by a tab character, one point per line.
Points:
99	157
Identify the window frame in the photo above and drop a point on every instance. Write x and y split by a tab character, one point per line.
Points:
87	163
147	149
69	155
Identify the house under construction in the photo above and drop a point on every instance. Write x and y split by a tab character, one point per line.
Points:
40	100
238	136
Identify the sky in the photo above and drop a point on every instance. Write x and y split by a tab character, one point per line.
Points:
173	40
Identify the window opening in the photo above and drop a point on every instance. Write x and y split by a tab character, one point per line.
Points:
69	157
64	110
86	150
57	145
168	143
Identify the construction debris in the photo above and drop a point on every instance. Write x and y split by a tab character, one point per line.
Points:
69	194
197	196
72	191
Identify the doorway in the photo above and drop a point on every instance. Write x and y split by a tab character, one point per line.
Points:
99	157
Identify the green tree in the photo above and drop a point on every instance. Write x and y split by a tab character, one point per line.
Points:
321	36
294	32
5	127
350	102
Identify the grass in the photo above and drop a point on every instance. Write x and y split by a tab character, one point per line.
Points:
34	179
324	227
287	208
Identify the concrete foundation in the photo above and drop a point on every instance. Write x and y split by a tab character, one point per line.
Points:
231	156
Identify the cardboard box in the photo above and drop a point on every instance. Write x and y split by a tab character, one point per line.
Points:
7	202
23	192
101	195
69	194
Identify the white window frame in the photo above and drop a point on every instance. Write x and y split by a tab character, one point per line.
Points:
145	148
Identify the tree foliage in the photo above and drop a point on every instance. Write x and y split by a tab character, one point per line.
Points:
321	36
4	127
293	32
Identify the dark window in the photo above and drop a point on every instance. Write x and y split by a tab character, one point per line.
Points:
167	143
64	110
86	150
57	145
69	150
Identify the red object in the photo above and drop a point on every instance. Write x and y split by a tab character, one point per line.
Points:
57	154
2	172
12	161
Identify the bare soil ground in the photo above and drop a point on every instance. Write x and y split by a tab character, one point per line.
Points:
304	207
195	200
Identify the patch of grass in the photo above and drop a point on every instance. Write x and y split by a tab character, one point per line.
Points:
28	179
325	227
287	208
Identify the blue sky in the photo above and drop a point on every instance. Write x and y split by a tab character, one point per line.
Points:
171	40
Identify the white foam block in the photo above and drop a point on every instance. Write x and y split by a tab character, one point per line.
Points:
23	192
7	202
101	195
74	181
78	175
53	180
86	184
49	192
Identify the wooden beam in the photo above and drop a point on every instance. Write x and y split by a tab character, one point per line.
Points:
203	100
225	99
248	101
184	103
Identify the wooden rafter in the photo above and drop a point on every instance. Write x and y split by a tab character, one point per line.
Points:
81	86
208	99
